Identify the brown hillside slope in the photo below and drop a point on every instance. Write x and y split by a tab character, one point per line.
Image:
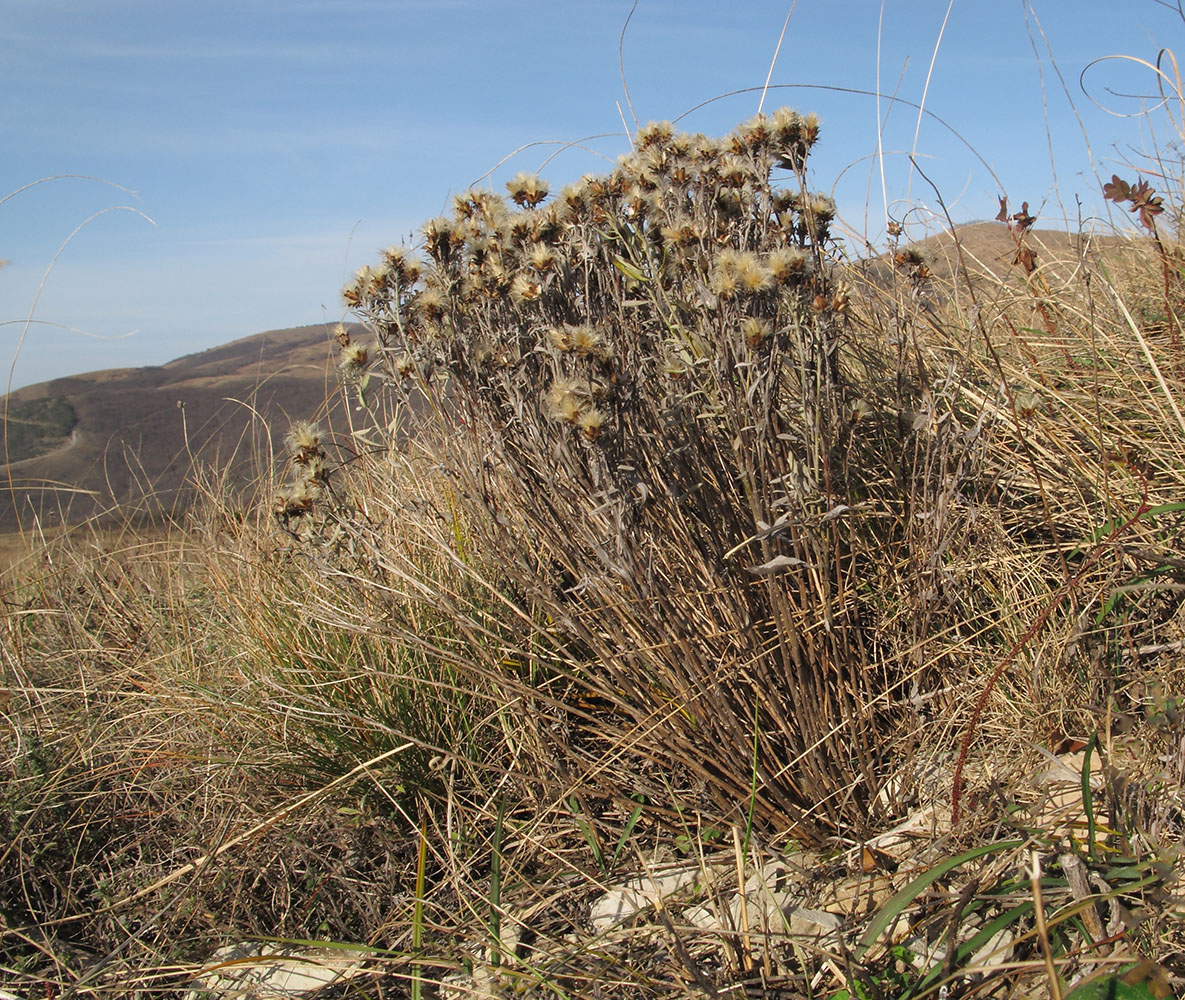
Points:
139	432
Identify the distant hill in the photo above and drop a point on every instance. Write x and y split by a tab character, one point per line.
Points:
130	436
990	250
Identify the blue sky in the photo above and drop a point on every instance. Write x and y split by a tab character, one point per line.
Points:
277	145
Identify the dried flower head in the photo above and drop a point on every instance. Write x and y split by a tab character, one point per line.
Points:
577	197
303	441
680	232
341	334
295	501
654	134
817	216
822	207
589	341
725	281
752	135
481	208
430	302
520	228
525	288
527	190
379	281
735	171
316	470
756	331
365	288
752	275
591	422
811	125
793	137
442	237
541	257
787	264
565	401
402	264
495	280
354	358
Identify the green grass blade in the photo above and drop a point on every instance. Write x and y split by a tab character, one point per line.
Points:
417	920
893	908
1087	796
496	888
625	833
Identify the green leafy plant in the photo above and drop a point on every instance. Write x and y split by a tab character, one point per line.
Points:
893	979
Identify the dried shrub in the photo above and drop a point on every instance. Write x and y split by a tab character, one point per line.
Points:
686	463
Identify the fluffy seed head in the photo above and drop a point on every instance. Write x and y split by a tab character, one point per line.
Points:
822	207
755	331
587	340
525	288
565	401
817	215
402	264
298	499
787	264
430	302
591	422
303	441
753	276
735	171
678	233
811	125
752	135
724	280
541	257
654	134
527	190
353	360
480	207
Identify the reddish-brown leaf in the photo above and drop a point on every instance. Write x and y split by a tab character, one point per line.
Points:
1022	218
1117	191
1149	212
1144	201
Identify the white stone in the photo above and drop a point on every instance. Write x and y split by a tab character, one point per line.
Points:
242	971
625	901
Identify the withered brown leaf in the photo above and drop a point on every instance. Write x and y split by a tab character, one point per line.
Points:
1022	218
1118	190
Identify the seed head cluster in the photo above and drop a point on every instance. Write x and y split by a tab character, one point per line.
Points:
691	255
310	472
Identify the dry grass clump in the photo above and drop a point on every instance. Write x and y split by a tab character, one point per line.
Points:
162	782
649	392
